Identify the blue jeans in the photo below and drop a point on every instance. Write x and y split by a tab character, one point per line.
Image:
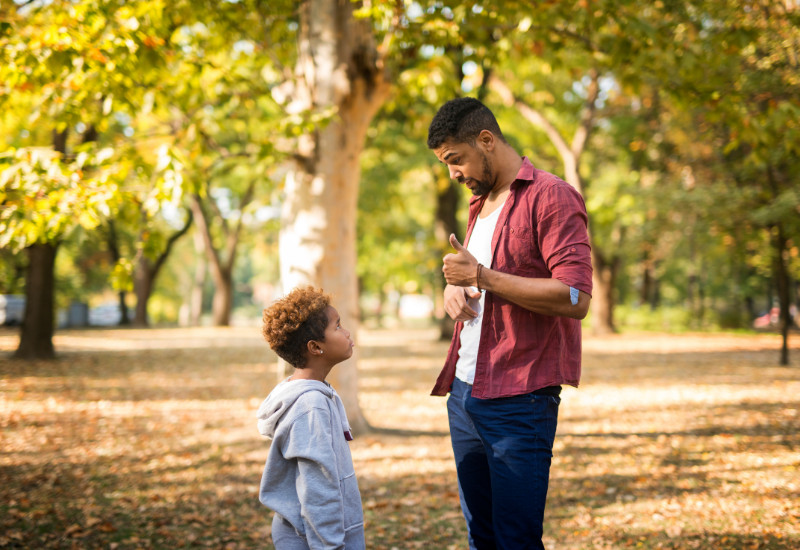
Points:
503	448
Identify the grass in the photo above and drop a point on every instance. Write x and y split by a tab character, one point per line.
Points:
147	439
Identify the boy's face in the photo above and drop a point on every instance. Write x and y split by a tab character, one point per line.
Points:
338	345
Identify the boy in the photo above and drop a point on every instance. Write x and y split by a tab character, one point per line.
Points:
308	478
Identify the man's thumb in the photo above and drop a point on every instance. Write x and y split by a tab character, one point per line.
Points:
454	242
474	294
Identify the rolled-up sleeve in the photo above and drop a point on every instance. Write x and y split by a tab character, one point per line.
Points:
562	223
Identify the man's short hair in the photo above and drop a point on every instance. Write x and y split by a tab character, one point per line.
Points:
461	120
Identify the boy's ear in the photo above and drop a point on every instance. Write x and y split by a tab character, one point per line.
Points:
314	348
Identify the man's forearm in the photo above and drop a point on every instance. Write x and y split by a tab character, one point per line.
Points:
544	296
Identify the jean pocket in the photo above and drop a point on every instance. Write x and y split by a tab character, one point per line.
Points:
546	411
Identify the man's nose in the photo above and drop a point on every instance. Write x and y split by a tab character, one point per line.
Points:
455	173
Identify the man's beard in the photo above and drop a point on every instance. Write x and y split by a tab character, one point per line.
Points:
484	185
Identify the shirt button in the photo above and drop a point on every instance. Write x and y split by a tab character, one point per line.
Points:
573	249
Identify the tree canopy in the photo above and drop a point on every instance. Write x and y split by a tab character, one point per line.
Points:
136	123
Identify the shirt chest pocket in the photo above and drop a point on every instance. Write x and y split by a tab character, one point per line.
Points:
517	248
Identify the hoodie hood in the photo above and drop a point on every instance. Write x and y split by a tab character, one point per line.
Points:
285	394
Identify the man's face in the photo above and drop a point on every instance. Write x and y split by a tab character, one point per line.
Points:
468	165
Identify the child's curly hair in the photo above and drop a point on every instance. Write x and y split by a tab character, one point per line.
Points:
291	322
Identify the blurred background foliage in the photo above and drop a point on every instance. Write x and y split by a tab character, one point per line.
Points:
147	142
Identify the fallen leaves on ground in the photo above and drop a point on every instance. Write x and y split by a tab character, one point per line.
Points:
146	439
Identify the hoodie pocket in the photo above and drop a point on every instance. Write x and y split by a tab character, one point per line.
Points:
353	514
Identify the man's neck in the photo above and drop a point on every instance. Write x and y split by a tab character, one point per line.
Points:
510	163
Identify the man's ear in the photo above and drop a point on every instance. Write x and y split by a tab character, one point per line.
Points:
486	139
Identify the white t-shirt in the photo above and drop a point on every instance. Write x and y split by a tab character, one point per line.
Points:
480	246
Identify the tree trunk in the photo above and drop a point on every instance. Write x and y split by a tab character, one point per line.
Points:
602	296
221	271
124	317
222	303
142	288
448	196
603	271
781	250
446	222
113	248
648	283
144	277
198	283
694	292
338	69
603	277
36	338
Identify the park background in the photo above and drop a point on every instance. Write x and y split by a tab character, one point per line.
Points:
171	167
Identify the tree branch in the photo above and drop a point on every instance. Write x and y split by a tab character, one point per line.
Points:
587	115
233	236
531	115
205	231
170	242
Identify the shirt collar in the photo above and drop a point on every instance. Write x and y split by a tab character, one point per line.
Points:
526	170
524	176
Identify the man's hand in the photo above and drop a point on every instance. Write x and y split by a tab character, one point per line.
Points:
460	269
455	302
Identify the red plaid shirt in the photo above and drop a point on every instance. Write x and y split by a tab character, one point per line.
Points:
541	233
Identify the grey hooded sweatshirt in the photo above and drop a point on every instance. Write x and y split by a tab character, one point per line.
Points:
308	478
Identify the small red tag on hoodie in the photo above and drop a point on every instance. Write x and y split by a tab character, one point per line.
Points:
348	436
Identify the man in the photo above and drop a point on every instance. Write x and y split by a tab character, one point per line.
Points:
517	292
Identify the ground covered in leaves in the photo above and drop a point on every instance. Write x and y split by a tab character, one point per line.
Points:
147	439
